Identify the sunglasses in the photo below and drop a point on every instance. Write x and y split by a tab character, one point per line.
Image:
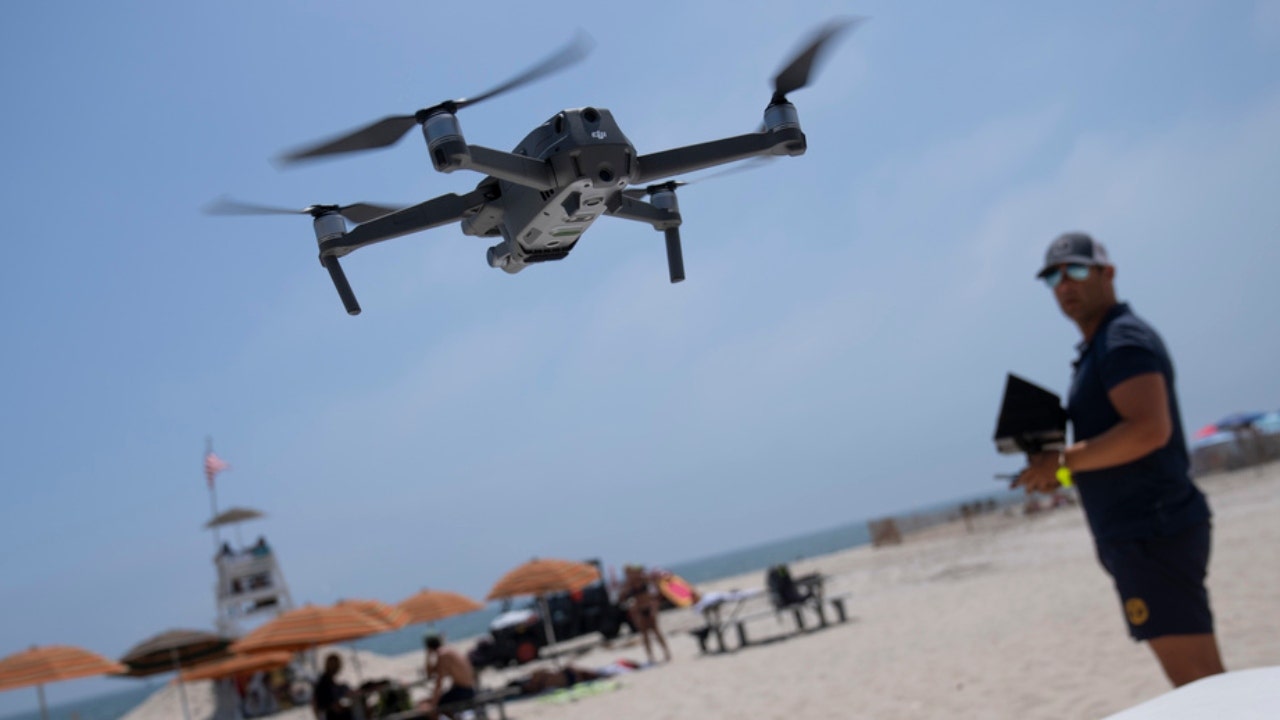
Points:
1075	271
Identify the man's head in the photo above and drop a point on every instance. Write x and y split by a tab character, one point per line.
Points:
432	641
1077	269
332	664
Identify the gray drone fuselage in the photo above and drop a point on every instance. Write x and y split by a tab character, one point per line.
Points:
590	159
542	196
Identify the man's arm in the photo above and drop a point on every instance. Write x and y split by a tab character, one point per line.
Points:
1145	426
434	678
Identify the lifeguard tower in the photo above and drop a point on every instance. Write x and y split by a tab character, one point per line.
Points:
251	587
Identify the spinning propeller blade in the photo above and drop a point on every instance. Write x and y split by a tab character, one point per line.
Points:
795	74
754	163
382	133
574	51
355	212
389	130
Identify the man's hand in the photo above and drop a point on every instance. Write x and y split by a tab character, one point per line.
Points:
1040	475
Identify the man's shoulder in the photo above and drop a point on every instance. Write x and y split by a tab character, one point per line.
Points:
1127	329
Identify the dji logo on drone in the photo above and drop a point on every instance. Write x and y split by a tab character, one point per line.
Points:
599	135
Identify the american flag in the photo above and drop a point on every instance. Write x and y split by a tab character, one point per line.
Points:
212	466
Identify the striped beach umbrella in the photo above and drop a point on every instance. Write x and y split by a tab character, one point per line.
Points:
433	605
390	615
541	577
237	665
307	627
544	576
50	663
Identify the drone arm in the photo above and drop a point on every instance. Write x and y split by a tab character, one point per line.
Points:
665	164
423	216
661	218
507	166
629	208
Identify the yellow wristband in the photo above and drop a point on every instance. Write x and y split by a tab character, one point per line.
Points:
1064	476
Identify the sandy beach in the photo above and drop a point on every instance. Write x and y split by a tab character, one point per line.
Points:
1013	619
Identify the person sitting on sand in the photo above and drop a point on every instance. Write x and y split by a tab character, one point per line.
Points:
445	661
640	600
331	699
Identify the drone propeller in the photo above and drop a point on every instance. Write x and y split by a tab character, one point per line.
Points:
795	74
355	212
389	130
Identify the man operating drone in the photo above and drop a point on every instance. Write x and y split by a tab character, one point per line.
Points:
539	199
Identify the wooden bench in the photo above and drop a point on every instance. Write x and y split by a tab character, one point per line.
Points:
480	704
797	611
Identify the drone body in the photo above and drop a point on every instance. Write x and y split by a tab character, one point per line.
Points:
540	198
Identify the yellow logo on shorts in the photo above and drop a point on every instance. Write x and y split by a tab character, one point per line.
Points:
1136	610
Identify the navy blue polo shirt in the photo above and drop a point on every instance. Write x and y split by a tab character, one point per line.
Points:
1152	496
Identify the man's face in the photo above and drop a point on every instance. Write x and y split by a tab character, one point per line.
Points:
1082	291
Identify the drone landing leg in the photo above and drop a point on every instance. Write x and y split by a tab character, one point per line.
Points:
675	256
340	282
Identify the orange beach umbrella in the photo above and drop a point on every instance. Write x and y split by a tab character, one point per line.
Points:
41	665
308	626
237	664
390	615
543	576
432	605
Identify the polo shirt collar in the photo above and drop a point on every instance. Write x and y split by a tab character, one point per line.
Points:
1120	308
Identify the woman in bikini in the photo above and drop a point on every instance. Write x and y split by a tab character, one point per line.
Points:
640	600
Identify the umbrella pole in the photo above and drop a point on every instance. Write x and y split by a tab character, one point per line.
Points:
546	622
355	660
182	687
44	710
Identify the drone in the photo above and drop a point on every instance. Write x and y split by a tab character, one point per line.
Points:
540	198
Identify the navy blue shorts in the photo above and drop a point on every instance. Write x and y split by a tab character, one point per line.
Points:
457	693
1160	581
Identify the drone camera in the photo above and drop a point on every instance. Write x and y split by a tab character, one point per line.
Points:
499	256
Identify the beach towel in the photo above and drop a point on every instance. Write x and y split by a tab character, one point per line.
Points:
579	691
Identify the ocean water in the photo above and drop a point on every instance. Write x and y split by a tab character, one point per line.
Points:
736	562
110	706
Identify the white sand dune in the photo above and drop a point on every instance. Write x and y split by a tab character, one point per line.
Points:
1015	619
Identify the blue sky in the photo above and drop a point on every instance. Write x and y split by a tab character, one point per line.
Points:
837	352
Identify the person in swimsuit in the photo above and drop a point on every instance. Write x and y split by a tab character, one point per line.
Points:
444	661
640	600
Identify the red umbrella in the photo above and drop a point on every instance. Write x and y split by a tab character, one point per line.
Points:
1206	431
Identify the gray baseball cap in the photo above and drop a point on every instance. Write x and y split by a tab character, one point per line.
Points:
1073	247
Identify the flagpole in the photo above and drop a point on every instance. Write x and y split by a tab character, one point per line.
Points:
213	491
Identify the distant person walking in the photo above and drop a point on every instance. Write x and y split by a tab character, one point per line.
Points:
1150	523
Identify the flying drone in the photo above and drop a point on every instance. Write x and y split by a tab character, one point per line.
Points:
540	198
